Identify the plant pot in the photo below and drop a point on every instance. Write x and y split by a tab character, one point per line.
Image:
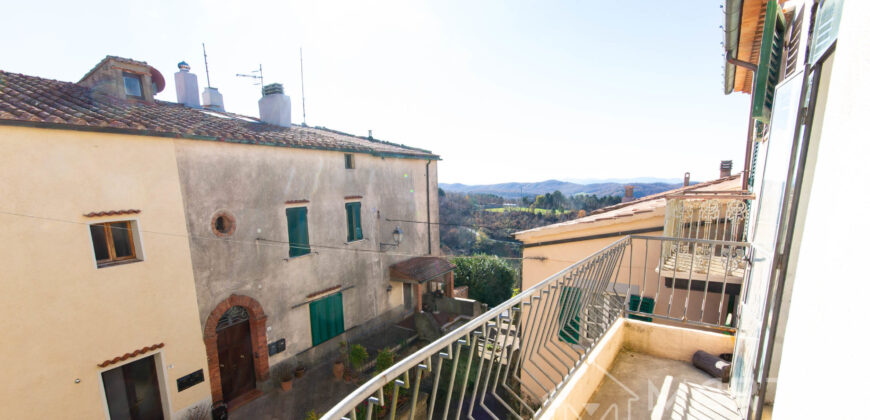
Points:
287	385
300	371
347	377
338	369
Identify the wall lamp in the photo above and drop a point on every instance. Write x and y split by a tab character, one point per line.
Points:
397	238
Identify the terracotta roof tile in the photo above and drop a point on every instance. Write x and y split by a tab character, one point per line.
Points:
29	100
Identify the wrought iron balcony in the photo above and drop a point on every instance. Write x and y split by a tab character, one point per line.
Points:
517	358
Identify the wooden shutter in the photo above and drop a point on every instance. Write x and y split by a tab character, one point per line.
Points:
327	318
570	301
297	231
354	227
794	43
826	28
646	306
769	63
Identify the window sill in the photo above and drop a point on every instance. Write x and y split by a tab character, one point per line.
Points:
116	263
355	242
296	257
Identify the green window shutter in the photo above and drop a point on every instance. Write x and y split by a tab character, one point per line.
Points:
354	227
570	301
826	28
327	318
646	306
297	231
769	62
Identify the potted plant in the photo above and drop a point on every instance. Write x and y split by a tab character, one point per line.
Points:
300	370
338	369
284	376
358	356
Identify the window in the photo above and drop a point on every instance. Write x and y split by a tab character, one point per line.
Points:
113	242
133	391
223	224
133	85
327	318
348	161
297	231
354	228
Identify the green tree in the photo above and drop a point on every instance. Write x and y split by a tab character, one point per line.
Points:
490	279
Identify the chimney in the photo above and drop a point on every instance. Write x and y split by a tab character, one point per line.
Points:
212	99
629	194
275	105
686	179
186	89
725	169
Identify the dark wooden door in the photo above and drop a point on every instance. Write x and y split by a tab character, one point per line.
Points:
236	360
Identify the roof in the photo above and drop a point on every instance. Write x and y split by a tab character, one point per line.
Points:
644	205
34	101
420	269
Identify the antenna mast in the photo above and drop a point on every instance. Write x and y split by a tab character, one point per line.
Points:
256	74
205	58
302	76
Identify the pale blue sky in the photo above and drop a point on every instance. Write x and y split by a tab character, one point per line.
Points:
502	90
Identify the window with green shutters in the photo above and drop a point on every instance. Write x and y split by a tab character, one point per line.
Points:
569	304
646	306
769	63
297	230
354	228
327	318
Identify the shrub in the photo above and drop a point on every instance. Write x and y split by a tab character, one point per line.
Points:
490	279
358	356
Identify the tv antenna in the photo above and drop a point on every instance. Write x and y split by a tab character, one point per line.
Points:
302	76
205	58
255	74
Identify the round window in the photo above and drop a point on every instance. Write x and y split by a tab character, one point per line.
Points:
223	224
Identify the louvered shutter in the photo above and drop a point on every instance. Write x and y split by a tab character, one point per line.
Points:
826	27
354	227
769	63
297	231
794	43
348	208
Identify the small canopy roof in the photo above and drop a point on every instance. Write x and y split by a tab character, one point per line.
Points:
420	269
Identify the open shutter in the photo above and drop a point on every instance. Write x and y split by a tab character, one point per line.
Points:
357	226
354	227
348	208
769	63
317	322
297	231
826	27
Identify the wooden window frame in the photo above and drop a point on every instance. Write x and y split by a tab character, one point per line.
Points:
110	244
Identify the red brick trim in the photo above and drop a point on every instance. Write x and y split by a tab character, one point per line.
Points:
258	341
111	213
353	197
290	202
134	353
324	291
229	218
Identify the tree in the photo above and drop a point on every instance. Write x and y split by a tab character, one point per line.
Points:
490	279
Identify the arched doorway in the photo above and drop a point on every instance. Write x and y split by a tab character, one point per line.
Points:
235	353
235	341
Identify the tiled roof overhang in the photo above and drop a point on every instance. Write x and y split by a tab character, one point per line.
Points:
420	269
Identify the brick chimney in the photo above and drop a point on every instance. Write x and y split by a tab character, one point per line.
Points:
629	194
686	179
725	169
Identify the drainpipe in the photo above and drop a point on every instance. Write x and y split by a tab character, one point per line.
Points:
428	210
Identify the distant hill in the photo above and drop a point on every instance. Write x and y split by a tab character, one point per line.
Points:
519	189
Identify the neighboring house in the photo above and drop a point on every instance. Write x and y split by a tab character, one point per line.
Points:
280	236
696	211
97	279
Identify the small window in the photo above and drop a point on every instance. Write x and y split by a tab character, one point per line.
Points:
113	242
133	85
297	231
354	228
348	161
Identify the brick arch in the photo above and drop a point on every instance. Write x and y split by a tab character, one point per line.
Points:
257	318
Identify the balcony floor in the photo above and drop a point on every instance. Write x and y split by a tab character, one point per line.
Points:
640	386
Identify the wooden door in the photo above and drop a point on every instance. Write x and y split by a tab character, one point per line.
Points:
236	360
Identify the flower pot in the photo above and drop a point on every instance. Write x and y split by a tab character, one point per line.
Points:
287	385
300	371
338	369
347	377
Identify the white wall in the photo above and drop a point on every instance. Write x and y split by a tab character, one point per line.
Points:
822	373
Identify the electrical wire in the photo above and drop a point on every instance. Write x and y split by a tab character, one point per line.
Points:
258	241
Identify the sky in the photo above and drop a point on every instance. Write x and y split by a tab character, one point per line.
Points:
502	91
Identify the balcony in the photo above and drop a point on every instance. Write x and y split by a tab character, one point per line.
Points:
613	332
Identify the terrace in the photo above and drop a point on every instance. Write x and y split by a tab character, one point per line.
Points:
612	334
